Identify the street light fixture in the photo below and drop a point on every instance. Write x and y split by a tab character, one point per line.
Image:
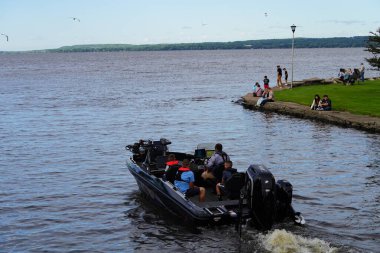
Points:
293	27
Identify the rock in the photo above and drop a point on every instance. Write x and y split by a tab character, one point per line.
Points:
313	80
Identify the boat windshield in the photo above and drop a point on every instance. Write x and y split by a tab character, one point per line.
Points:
209	147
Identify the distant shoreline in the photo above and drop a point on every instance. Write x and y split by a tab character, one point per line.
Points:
337	42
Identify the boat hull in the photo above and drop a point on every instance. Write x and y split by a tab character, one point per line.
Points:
167	197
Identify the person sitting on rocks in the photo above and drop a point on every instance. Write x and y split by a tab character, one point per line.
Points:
257	91
268	96
316	102
325	104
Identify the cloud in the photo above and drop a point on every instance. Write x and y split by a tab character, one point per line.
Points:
345	22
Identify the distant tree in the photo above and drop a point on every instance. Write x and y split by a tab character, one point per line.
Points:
373	46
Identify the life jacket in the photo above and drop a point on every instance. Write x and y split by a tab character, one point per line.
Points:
178	176
171	163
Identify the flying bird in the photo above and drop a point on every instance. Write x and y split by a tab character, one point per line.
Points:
5	36
75	19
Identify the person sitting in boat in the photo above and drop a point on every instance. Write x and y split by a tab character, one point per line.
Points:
227	174
215	164
171	161
172	166
184	181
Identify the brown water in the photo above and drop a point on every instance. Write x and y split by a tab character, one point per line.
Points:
65	119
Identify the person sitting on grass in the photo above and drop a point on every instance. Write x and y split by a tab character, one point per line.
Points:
316	101
227	174
341	74
325	104
184	181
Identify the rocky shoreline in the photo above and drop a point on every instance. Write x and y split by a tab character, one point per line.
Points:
345	119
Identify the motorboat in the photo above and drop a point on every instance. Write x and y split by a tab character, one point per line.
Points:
254	196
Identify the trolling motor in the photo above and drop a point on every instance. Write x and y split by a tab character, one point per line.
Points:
146	150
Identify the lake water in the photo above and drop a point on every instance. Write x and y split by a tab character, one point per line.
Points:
66	118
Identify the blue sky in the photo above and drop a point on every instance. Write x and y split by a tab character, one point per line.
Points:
38	24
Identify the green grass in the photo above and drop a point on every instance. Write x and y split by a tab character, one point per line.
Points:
363	98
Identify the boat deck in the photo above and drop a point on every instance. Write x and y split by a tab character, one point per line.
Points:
212	200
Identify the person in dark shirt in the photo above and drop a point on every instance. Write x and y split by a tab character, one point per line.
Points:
227	174
266	82
286	76
325	104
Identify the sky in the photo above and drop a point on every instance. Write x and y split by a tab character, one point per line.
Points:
46	24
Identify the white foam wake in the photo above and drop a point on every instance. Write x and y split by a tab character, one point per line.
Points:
281	241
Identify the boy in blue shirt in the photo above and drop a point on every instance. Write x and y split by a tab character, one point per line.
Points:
227	174
184	181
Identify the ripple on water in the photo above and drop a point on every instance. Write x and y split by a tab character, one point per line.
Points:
65	119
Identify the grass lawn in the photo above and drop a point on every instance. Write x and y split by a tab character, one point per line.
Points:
363	98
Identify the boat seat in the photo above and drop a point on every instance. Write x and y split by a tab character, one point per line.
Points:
160	162
234	185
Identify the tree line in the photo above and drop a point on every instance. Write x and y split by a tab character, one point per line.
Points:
338	42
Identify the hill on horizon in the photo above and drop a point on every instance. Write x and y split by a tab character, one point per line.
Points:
336	42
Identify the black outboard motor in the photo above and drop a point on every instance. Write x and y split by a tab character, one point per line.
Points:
260	190
284	195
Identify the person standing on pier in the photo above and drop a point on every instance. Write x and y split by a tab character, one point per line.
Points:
279	76
286	76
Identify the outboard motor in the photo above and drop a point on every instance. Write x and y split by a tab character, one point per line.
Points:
284	195
260	190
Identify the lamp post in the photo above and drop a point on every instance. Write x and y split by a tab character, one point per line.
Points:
293	27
